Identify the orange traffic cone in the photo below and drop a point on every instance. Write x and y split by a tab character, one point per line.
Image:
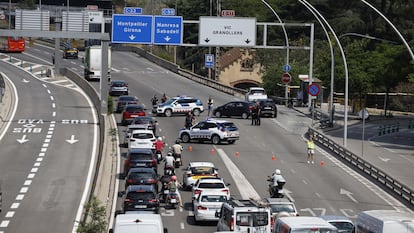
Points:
212	151
273	157
237	154
190	148
322	163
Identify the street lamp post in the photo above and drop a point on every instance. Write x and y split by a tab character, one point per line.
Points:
287	43
346	70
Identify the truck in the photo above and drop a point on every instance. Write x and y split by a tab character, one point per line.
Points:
256	93
384	221
138	221
93	63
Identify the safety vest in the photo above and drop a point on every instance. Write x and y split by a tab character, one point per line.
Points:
311	145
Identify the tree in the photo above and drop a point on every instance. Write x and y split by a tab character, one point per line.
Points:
95	218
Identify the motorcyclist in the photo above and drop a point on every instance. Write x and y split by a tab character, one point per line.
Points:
169	162
165	181
159	147
172	187
177	150
277	181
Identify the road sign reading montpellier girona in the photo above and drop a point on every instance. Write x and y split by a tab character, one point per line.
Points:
227	31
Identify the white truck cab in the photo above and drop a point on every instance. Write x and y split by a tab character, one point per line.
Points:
256	93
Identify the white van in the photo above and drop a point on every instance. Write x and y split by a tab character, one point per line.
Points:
138	222
384	221
244	216
303	224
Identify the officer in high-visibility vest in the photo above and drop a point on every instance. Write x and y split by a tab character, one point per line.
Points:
311	150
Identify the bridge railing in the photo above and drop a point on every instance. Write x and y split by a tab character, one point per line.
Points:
385	181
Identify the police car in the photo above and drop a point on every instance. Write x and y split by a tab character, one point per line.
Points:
213	130
180	105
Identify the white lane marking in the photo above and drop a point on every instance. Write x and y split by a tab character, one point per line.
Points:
41	154
246	190
44	85
15	205
4	223
10	214
19	197
182	225
48	91
53	105
31	176
36	164
53	114
43	149
27	182
45	145
47	140
34	169
52	98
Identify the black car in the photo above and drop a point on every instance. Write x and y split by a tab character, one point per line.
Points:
141	197
268	108
234	109
140	157
124	100
71	53
140	176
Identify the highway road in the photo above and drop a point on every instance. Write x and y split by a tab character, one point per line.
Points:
329	189
46	155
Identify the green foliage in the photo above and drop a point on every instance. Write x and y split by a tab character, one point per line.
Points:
96	215
110	105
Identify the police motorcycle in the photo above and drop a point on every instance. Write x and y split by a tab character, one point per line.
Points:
276	186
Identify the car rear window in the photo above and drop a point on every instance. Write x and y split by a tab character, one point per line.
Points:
211	185
138	156
118	84
213	198
140	176
140	195
277	208
228	125
253	219
127	98
202	170
142	136
134	109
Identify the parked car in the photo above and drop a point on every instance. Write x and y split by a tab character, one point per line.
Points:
118	87
207	204
141	175
268	108
141	197
124	100
209	183
141	138
212	130
131	111
197	170
140	157
234	109
70	53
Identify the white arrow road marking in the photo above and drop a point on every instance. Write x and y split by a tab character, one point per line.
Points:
384	159
131	37
72	139
23	139
25	81
348	194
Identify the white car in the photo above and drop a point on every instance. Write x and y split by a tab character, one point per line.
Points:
209	184
180	105
207	204
141	138
196	170
213	130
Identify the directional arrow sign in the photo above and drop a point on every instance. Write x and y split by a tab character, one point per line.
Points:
227	32
72	139
168	30
348	194
132	29
23	139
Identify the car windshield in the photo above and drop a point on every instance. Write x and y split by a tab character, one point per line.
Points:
139	156
168	102
202	170
140	195
213	198
345	227
211	185
143	136
277	208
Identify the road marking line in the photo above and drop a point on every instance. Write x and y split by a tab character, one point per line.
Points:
27	182
15	205
10	214
19	197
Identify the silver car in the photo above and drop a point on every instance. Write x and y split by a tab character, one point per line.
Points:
118	87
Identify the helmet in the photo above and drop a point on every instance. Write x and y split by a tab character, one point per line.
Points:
159	138
178	141
277	172
173	178
169	153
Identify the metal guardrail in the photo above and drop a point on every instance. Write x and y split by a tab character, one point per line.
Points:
388	183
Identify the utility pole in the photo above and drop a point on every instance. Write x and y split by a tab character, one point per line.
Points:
217	60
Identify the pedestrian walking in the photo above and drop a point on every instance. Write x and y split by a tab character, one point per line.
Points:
311	149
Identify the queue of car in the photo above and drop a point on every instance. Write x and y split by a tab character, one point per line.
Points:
210	194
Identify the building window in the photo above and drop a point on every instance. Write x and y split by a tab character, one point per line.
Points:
246	65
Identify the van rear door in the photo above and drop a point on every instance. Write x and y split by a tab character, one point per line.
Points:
253	222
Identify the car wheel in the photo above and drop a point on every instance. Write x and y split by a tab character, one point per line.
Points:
196	112
215	139
217	114
245	115
168	112
185	137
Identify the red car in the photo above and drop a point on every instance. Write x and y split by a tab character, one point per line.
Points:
131	111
